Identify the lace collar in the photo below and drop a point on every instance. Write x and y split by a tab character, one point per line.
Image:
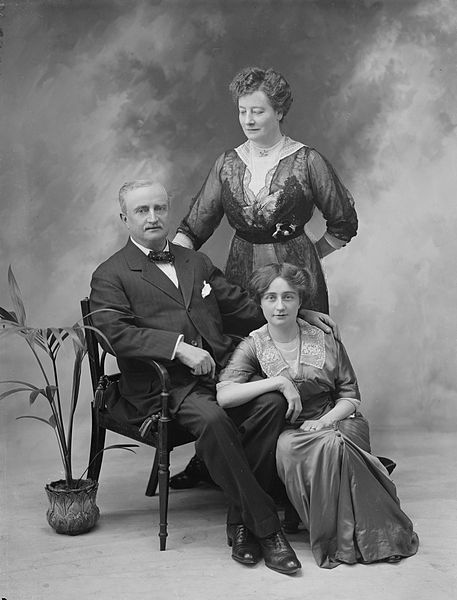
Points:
289	147
312	349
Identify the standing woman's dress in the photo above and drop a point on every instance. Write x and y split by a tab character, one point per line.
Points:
343	493
268	200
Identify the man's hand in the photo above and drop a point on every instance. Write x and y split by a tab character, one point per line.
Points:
321	320
291	394
198	360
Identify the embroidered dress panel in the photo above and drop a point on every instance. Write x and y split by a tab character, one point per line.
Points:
290	353
261	169
312	350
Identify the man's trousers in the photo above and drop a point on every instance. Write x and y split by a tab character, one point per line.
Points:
238	446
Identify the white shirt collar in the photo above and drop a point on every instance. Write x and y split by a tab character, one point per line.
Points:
147	250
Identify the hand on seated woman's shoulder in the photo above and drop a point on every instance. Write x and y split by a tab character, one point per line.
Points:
321	320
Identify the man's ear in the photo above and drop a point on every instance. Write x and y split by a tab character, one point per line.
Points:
123	218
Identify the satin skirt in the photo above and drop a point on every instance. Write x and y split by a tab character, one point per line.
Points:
344	495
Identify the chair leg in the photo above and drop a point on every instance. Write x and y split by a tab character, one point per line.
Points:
154	476
164	480
163	506
96	455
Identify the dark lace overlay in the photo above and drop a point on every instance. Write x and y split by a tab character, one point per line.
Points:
300	182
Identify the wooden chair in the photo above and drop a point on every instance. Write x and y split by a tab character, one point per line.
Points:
157	430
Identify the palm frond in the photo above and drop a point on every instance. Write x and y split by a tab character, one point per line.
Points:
100	335
34	395
112	447
51	392
16	297
7	316
35	336
55	339
29	385
10	328
13	391
37	419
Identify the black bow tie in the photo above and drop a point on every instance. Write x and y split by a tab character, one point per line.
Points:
162	256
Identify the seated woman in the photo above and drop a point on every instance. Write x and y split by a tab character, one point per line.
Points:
343	493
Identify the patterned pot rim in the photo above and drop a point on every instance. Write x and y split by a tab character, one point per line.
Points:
60	486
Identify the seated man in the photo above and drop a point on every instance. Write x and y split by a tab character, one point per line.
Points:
169	305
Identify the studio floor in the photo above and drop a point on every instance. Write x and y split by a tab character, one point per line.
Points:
120	558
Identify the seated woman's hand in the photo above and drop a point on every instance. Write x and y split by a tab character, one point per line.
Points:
321	320
291	394
313	425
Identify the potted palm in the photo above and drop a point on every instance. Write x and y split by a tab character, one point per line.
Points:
72	501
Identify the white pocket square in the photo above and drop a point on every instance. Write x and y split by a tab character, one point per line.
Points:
206	289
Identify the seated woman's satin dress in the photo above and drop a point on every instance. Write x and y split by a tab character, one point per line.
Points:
343	493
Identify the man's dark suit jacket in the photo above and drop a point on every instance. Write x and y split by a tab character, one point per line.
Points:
151	313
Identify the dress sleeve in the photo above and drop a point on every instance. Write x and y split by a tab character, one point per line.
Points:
332	198
242	366
206	210
346	386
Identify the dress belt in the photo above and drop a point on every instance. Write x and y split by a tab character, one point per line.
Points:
281	234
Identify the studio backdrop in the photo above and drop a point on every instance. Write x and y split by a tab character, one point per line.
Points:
95	93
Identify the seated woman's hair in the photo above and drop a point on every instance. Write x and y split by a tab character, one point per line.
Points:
268	81
299	279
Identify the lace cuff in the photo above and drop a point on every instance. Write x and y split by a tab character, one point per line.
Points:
181	239
333	241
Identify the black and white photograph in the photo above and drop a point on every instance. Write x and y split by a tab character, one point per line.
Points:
227	299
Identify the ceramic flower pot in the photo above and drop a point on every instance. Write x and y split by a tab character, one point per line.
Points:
72	511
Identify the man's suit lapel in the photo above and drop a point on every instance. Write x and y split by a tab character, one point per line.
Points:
185	272
137	261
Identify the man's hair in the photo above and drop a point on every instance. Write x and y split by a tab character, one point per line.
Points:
129	186
272	83
298	278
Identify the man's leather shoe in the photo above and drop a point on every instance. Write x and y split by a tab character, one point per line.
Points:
278	554
193	474
245	547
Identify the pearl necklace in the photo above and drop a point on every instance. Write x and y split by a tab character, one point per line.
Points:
287	347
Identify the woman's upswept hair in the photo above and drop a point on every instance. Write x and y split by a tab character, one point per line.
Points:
299	279
272	83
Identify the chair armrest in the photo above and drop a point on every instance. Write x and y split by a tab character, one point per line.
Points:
163	414
164	377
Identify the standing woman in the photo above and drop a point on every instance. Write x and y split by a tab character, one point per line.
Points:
268	187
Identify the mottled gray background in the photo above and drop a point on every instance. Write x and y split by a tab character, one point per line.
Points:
94	93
